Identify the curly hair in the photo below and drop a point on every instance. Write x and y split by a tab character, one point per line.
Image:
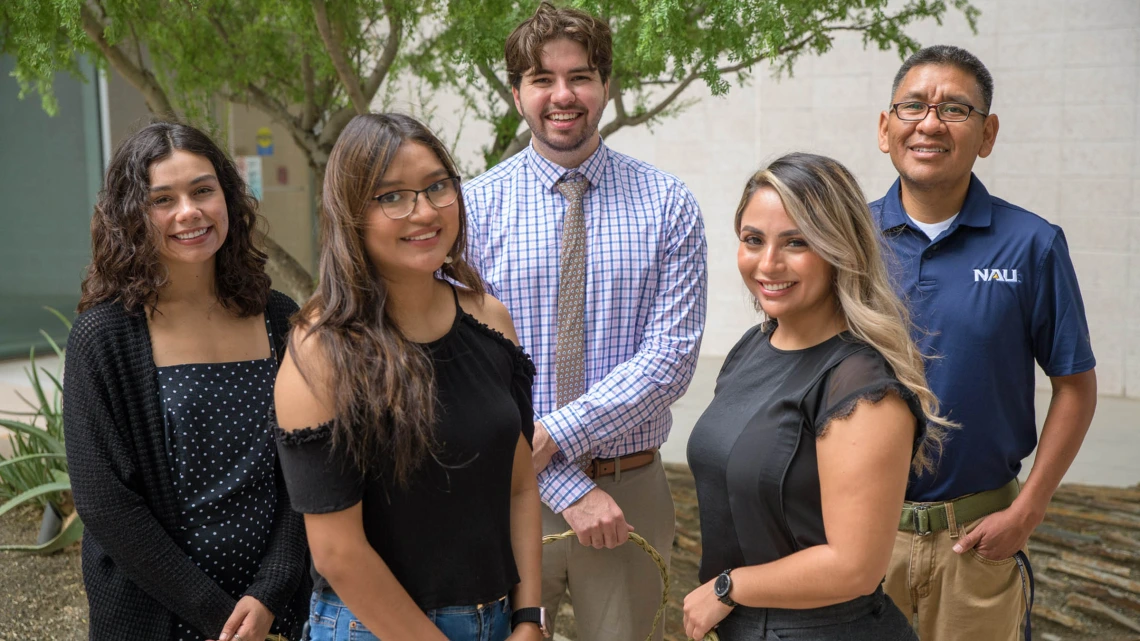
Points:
125	263
382	384
824	201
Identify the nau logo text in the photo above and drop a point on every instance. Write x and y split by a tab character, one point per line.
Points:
1002	275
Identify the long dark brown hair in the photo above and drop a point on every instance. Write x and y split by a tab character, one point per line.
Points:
125	261
382	384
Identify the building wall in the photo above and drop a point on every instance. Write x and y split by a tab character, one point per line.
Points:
1067	78
49	173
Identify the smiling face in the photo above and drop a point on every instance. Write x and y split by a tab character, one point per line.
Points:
419	243
791	282
188	208
562	102
930	154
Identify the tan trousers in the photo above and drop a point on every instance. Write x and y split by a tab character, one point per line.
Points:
952	597
615	592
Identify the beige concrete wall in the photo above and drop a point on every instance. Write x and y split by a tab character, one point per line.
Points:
1067	78
288	205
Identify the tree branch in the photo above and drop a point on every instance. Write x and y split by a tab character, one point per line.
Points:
344	69
518	144
391	48
139	76
496	83
309	109
619	101
334	125
621	120
618	122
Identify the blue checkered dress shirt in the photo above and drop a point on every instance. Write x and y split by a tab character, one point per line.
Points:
645	298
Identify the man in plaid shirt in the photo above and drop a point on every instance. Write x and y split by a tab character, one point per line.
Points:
643	314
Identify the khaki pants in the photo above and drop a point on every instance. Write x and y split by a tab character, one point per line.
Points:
615	592
952	597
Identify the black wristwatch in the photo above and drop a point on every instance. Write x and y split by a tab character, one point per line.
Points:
722	587
530	615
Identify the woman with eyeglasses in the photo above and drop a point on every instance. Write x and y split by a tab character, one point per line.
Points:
802	458
404	407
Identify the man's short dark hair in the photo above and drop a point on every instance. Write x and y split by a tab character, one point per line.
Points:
953	56
524	45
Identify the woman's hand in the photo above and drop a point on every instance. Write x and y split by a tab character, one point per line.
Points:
250	621
703	611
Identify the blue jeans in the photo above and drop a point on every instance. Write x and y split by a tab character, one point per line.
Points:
330	620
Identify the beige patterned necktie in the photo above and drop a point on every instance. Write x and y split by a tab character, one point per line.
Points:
569	357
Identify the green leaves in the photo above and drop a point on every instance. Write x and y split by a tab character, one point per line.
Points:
662	46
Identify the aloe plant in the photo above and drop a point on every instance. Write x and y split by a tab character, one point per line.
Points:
36	473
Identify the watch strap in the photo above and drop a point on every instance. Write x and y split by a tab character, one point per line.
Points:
526	615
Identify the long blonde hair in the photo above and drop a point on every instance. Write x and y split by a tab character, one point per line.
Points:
824	201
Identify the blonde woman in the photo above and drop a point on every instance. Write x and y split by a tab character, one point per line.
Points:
801	459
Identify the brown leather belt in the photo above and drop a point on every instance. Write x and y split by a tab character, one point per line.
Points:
610	466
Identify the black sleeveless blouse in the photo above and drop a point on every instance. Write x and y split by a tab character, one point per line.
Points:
223	466
753	452
446	537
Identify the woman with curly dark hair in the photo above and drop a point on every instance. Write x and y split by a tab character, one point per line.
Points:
168	382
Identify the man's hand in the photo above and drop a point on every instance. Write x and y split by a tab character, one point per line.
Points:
703	611
1000	535
598	521
250	621
544	448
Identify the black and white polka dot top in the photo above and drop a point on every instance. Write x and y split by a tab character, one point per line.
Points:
222	457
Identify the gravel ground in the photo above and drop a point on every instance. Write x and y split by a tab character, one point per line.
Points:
41	597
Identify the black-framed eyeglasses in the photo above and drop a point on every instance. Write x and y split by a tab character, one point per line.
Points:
945	111
402	202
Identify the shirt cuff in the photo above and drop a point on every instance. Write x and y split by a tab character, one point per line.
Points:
566	430
562	484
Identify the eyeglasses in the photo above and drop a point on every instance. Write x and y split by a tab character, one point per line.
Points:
402	202
945	111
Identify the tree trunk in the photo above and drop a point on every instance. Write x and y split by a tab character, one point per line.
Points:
288	276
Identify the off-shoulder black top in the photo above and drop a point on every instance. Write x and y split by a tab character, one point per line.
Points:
753	452
446	536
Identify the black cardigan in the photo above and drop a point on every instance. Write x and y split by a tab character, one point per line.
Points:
135	574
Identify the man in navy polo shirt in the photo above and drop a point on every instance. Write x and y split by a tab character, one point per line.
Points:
991	290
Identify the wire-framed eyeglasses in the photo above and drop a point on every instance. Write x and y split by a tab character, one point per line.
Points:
402	202
945	111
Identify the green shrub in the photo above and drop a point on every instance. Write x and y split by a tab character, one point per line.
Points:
36	473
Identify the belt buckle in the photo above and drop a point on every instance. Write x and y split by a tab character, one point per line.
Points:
921	520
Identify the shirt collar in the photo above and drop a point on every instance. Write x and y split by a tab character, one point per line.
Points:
549	173
977	210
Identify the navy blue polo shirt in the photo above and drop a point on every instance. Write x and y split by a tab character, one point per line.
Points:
990	295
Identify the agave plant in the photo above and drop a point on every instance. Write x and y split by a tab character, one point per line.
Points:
36	473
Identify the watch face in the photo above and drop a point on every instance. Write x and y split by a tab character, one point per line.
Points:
722	585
